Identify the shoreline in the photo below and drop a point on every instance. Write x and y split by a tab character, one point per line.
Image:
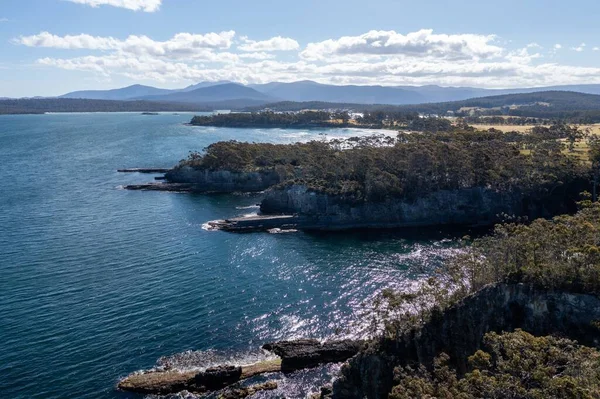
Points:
307	126
291	356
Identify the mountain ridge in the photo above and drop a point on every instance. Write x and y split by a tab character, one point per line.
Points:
213	93
123	93
307	90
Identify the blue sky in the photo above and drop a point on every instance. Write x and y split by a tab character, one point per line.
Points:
49	47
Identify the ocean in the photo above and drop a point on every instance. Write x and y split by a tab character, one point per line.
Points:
97	282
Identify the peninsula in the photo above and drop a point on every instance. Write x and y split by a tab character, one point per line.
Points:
333	118
462	177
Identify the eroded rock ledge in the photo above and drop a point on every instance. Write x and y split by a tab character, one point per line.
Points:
459	331
187	179
293	355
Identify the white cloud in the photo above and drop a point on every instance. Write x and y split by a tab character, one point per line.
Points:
383	58
135	5
423	43
596	49
257	56
277	43
502	73
557	46
180	46
579	48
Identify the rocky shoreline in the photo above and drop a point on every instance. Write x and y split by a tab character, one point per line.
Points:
368	371
143	170
292	356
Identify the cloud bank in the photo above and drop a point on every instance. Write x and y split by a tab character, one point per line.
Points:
375	57
274	44
135	5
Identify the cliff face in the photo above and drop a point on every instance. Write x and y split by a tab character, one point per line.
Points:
460	329
223	181
475	206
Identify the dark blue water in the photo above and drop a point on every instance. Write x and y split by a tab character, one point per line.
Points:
97	282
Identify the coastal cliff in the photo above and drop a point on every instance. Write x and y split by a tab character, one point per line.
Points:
472	206
460	329
222	181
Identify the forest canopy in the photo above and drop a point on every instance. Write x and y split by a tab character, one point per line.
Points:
511	365
409	165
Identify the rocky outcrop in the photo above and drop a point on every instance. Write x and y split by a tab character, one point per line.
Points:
459	331
212	379
257	223
305	353
173	187
222	181
294	355
143	170
473	206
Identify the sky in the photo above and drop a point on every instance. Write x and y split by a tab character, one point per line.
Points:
50	47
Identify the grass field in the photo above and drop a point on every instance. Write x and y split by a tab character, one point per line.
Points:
581	148
595	128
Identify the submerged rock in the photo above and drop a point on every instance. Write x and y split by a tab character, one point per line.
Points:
325	393
240	393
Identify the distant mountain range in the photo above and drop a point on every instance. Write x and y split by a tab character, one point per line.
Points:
125	93
571	106
221	92
303	91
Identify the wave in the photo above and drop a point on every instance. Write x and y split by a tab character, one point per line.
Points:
201	360
248	207
209	226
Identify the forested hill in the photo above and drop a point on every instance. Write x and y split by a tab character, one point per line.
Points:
572	106
42	105
560	100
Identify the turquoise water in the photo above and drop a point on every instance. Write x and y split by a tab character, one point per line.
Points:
97	282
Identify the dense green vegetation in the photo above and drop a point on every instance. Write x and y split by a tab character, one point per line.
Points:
306	119
42	105
512	365
410	166
560	253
